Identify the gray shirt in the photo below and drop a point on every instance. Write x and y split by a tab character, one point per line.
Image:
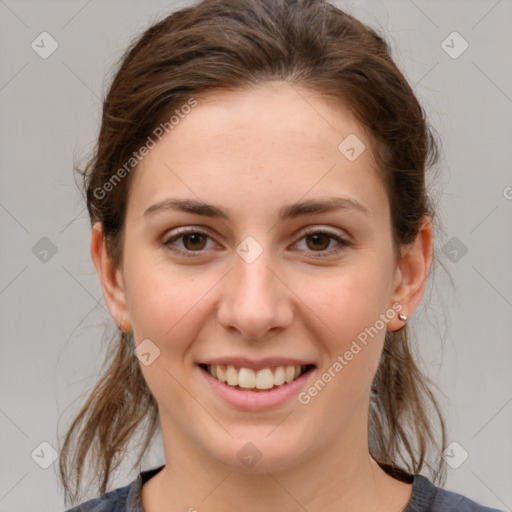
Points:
425	497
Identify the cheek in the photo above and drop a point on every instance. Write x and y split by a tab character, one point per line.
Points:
348	307
163	301
346	302
352	347
156	299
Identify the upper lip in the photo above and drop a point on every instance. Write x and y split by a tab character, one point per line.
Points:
267	362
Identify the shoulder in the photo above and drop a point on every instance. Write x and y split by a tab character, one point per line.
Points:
122	499
112	501
426	497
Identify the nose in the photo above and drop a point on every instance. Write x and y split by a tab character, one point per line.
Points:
255	300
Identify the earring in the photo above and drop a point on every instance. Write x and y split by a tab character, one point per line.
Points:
402	317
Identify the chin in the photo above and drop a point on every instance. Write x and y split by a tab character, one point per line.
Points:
258	454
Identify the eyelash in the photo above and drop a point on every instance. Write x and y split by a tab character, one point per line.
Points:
190	254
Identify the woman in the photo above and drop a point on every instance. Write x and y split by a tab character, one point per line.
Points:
262	232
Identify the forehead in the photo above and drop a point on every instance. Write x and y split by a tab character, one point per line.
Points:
260	145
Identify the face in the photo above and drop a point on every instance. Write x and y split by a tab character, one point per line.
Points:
257	281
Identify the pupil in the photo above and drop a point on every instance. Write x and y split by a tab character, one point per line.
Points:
195	239
318	238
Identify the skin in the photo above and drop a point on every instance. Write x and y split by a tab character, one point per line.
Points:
253	151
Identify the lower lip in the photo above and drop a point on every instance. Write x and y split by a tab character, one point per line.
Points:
257	400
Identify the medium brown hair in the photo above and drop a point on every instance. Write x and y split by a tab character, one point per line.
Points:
224	45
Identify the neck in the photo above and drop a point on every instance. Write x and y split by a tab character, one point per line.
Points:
344	473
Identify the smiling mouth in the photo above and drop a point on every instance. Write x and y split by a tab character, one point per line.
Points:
247	379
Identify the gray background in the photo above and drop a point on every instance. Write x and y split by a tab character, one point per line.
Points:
51	305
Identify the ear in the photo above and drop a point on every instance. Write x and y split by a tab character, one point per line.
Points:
412	273
111	279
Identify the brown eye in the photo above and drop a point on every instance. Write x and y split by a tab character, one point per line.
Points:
193	242
319	241
188	243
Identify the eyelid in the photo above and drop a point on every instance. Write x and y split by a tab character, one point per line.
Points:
342	240
180	232
328	231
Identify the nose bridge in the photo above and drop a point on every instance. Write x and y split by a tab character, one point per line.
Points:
253	277
253	300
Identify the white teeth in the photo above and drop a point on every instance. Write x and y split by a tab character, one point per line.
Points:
289	373
246	378
264	379
231	376
219	370
279	376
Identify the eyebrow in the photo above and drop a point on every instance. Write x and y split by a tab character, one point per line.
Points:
290	211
